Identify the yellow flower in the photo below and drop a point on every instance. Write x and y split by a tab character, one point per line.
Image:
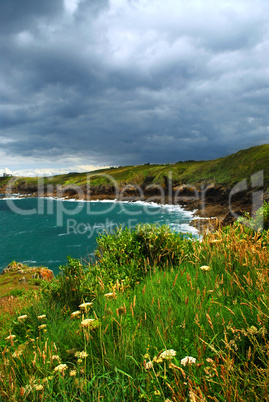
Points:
72	373
157	359
39	387
157	392
41	316
42	326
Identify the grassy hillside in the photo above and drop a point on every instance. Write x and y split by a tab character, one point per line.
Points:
158	318
225	172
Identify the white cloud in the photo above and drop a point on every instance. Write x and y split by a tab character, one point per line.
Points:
51	172
71	5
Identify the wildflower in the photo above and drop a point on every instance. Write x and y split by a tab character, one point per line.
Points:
72	373
81	355
55	357
39	387
157	359
192	396
148	365
75	313
87	322
61	368
85	305
80	361
42	326
110	295
205	268
17	353
168	354
22	317
10	337
253	330
188	360
157	392
146	356
40	317
27	389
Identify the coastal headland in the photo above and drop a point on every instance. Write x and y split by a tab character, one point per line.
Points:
219	190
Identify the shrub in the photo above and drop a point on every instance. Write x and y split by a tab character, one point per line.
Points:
130	255
260	221
71	286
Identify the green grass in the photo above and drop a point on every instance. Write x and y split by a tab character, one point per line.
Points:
224	172
150	291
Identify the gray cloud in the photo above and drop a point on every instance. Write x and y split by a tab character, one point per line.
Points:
17	15
116	82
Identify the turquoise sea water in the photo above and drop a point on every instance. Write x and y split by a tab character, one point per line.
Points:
44	231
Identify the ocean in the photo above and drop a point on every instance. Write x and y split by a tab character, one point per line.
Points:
44	231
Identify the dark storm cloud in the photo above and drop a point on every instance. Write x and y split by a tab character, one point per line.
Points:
132	82
17	15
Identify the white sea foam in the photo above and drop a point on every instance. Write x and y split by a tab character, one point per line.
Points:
29	262
184	228
14	197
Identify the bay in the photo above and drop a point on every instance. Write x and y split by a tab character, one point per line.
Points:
44	231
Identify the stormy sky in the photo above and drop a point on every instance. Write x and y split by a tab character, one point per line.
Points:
89	83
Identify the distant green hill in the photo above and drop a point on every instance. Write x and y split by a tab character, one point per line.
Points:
224	172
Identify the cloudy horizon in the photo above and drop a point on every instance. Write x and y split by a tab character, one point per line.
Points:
86	84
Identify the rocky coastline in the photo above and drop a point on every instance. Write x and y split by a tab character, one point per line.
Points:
211	206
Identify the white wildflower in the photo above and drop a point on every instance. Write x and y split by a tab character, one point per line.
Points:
168	354
55	357
76	313
148	365
188	360
85	305
81	355
205	268
22	317
61	368
10	337
87	322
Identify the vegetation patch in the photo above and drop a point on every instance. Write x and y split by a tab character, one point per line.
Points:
158	317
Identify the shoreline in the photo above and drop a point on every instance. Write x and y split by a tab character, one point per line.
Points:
207	215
